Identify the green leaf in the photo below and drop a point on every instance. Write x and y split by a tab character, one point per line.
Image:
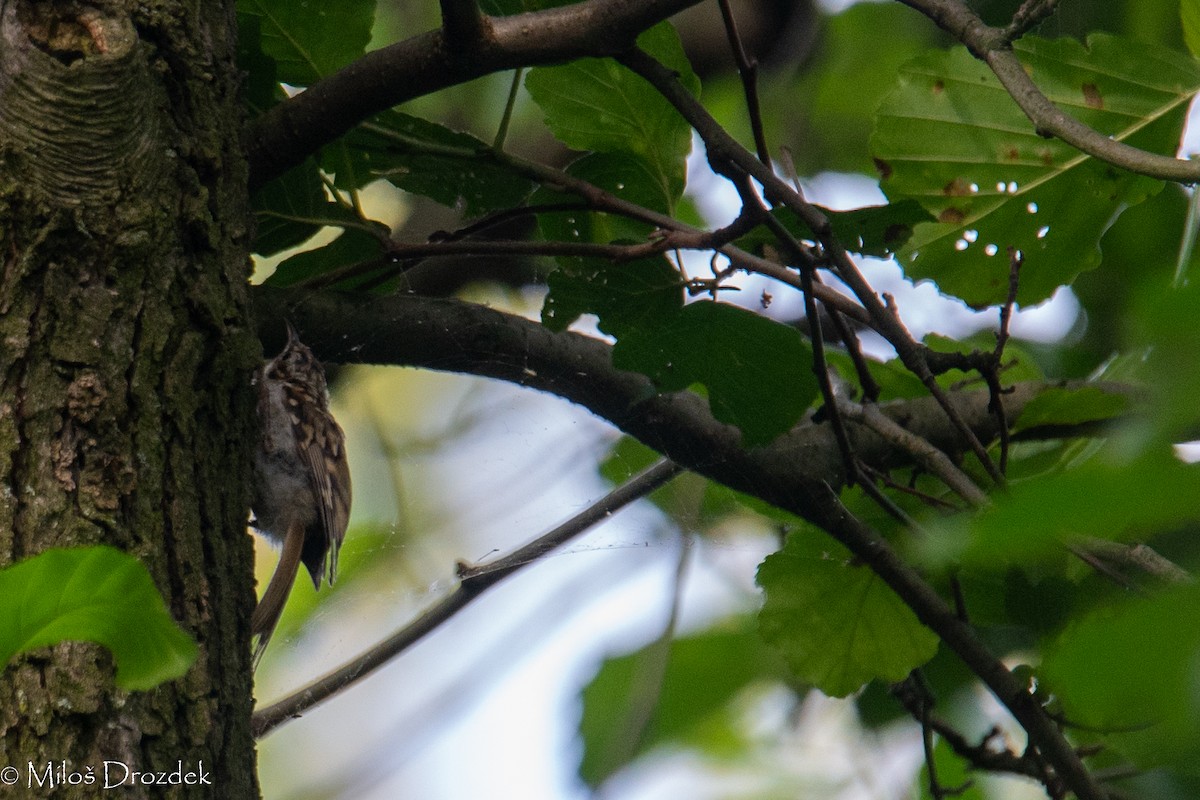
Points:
871	230
293	207
838	88
1189	15
625	296
894	380
354	247
758	372
313	40
1164	324
950	137
262	89
837	624
597	104
1105	497
1057	406
1131	669
619	294
93	594
428	159
952	773
628	178
702	674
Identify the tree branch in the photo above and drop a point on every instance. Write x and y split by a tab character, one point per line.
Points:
455	336
991	45
296	128
799	472
925	454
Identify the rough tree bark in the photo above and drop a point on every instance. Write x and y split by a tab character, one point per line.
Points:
125	356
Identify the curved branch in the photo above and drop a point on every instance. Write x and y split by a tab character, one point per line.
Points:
455	336
925	454
991	45
799	472
296	128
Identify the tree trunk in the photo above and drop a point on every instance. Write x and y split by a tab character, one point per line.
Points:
125	358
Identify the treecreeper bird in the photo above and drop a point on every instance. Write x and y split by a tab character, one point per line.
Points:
301	496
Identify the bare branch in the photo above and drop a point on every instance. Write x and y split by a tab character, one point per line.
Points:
474	581
296	128
679	234
748	71
1140	556
1044	734
922	451
917	699
1027	16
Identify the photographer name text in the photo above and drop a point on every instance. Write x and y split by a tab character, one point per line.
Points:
110	775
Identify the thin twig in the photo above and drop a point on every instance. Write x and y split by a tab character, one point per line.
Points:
819	366
509	105
921	450
646	693
850	461
866	381
917	698
882	500
960	598
474	581
1045	736
992	372
748	71
1030	14
1015	260
598	199
729	158
924	712
887	480
1140	556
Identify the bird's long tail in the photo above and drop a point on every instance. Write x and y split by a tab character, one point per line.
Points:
270	607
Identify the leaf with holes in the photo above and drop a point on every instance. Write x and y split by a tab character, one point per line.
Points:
950	137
